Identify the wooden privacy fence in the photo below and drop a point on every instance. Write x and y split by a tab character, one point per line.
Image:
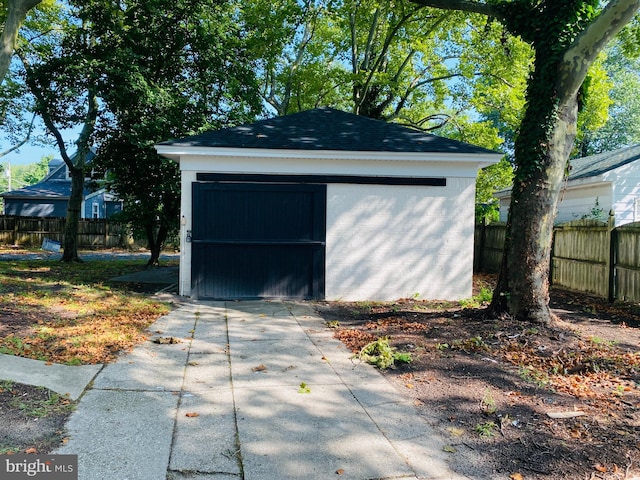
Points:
31	232
586	256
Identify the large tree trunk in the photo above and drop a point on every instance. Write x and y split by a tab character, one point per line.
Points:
156	242
546	140
74	206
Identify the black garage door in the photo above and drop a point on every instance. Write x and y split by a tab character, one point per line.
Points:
258	240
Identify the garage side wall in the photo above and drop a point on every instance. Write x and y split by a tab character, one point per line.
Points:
389	242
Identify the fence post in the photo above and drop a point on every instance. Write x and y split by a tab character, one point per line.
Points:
610	267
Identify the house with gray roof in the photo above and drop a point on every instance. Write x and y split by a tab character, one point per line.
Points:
596	185
325	204
49	197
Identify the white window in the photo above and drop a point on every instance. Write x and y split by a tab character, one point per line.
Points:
95	210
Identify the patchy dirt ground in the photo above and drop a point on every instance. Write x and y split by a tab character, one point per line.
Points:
492	387
516	401
33	418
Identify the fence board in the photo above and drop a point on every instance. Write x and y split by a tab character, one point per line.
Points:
580	257
627	284
581	276
583	258
31	232
489	246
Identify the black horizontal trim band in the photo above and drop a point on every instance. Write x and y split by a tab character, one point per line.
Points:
304	243
322	179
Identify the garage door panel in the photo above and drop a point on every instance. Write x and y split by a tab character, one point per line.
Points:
255	212
258	271
258	240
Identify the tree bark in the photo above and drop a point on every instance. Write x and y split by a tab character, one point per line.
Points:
70	240
156	243
77	170
16	13
523	286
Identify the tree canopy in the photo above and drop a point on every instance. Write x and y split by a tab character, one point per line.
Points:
167	70
566	36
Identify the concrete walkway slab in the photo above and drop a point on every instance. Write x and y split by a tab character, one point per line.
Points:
69	381
206	443
285	434
122	434
226	404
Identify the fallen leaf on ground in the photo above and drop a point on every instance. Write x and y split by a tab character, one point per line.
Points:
449	449
340	471
259	368
304	388
31	450
516	476
192	414
599	467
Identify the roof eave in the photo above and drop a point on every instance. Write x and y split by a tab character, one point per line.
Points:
175	152
571	184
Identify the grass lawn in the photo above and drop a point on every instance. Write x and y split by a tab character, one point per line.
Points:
72	313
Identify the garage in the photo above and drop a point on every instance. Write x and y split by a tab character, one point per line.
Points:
325	204
259	240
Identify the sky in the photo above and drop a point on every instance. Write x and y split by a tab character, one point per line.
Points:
32	154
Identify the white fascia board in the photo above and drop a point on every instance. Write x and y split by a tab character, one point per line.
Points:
242	160
176	153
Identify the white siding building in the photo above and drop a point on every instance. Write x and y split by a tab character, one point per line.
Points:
326	204
596	185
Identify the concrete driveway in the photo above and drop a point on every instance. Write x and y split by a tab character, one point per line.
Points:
248	391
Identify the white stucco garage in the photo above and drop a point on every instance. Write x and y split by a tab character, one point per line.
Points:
326	204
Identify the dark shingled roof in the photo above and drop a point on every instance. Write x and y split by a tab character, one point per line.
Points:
51	186
327	129
603	162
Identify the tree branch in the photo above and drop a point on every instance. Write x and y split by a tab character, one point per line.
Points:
16	13
26	139
470	6
586	47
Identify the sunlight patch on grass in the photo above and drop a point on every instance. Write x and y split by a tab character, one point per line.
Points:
75	316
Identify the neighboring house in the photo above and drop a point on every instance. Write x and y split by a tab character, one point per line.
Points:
326	204
49	197
596	185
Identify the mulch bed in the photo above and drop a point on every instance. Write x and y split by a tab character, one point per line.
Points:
491	386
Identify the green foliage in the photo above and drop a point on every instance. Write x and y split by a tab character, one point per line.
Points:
23	175
488	403
622	125
395	61
40	408
486	429
490	180
382	355
596	212
594	100
169	70
304	388
484	297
